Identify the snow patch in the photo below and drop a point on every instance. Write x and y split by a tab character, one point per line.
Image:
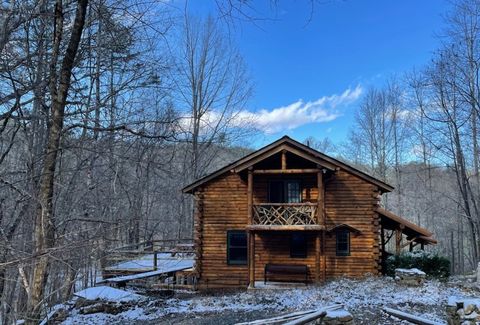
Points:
109	294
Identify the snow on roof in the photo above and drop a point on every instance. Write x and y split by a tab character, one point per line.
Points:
146	262
108	294
170	266
411	271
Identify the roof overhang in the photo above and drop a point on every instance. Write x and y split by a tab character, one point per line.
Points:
344	226
296	148
391	221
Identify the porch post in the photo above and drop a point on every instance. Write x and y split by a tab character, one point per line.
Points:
320	198
250	196
398	239
324	257
317	257
251	259
382	238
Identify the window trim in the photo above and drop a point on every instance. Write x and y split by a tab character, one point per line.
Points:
342	252
305	237
230	262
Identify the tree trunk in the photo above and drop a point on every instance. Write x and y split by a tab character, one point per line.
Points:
44	228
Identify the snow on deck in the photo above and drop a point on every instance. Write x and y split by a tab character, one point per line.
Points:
108	294
165	261
171	266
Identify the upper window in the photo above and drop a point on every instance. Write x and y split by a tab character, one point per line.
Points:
298	245
343	242
236	247
284	191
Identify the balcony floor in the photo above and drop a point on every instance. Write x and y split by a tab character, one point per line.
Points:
285	228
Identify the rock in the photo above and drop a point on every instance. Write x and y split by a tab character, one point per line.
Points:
478	272
338	317
60	315
469	308
463	311
93	309
103	307
410	277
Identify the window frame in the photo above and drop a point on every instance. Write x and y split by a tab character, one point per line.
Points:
304	250
229	246
339	232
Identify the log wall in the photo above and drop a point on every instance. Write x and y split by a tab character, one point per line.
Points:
348	199
351	200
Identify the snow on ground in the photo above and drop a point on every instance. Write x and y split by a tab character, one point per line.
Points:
428	301
108	294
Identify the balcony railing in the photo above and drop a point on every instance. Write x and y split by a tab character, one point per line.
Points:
284	214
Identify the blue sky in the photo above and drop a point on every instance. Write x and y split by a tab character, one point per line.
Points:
309	76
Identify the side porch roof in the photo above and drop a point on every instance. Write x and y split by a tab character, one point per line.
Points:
391	221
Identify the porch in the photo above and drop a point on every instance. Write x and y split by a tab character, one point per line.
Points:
286	249
286	203
403	232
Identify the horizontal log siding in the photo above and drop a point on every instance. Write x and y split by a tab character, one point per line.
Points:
224	208
350	200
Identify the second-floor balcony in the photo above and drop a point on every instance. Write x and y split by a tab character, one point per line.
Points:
284	214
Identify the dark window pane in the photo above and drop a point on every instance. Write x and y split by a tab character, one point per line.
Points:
343	242
298	245
275	191
238	239
238	254
237	247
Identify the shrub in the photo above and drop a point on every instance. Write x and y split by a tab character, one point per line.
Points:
433	265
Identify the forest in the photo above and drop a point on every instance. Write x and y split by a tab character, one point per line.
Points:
108	108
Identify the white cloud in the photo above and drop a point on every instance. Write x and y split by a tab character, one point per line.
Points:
324	109
279	119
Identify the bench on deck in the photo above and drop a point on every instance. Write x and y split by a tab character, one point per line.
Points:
286	269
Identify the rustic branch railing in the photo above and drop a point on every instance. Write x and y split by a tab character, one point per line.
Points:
284	214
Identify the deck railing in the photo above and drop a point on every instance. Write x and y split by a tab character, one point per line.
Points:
284	214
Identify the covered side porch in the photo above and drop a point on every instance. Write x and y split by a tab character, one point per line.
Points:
277	255
403	233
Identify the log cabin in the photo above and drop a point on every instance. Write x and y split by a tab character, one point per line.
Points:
287	212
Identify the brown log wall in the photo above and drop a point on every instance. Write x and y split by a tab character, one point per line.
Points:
348	200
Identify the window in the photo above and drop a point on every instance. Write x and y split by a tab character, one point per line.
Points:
275	192
343	242
292	189
236	247
298	245
284	191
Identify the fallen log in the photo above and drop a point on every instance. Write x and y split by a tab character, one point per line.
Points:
295	318
411	318
279	319
321	313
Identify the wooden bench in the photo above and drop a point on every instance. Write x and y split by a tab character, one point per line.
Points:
286	269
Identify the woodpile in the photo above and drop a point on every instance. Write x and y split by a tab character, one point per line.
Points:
463	311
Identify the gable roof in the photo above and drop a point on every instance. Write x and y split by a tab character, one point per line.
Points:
297	148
